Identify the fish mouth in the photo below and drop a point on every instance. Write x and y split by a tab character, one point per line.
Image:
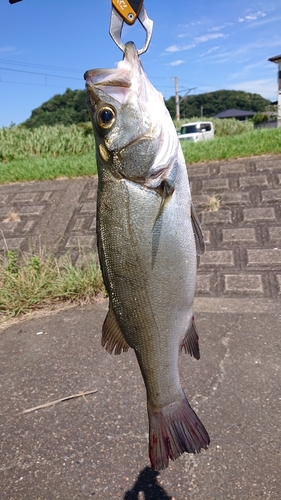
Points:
120	81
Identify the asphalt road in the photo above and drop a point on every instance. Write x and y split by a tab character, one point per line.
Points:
97	446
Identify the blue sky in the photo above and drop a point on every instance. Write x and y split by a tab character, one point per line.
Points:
46	45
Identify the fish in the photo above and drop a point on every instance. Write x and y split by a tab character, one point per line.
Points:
148	237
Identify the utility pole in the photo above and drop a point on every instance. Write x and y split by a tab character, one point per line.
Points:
178	100
177	97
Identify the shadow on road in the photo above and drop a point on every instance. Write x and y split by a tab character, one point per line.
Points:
148	485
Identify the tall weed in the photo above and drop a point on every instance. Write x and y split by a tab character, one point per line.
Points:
31	281
18	143
255	143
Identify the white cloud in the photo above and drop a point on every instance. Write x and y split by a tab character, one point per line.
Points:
264	20
244	53
275	42
188	46
207	38
173	48
7	49
195	23
218	28
176	48
176	63
213	49
265	87
262	66
254	16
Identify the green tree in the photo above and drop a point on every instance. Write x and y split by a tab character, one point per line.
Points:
215	102
65	109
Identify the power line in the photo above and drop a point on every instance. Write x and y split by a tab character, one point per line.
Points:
41	74
59	68
35	65
165	87
33	84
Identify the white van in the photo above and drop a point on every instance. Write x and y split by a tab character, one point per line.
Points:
197	131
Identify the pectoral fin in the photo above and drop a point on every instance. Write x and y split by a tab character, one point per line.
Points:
112	337
198	233
165	190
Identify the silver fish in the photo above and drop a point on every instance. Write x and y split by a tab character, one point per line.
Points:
148	237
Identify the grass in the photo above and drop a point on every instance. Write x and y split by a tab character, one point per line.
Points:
255	143
32	281
19	143
214	203
47	168
48	153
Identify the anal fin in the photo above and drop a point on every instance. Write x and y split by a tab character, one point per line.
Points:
112	336
190	342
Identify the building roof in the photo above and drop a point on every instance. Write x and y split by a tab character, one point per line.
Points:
234	113
275	58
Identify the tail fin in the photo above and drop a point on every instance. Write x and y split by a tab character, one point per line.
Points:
173	430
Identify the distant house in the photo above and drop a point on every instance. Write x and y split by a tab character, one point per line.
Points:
277	60
238	114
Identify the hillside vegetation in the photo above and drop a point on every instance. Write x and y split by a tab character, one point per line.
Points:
212	103
65	109
70	107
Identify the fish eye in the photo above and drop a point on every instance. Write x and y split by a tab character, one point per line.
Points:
106	117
